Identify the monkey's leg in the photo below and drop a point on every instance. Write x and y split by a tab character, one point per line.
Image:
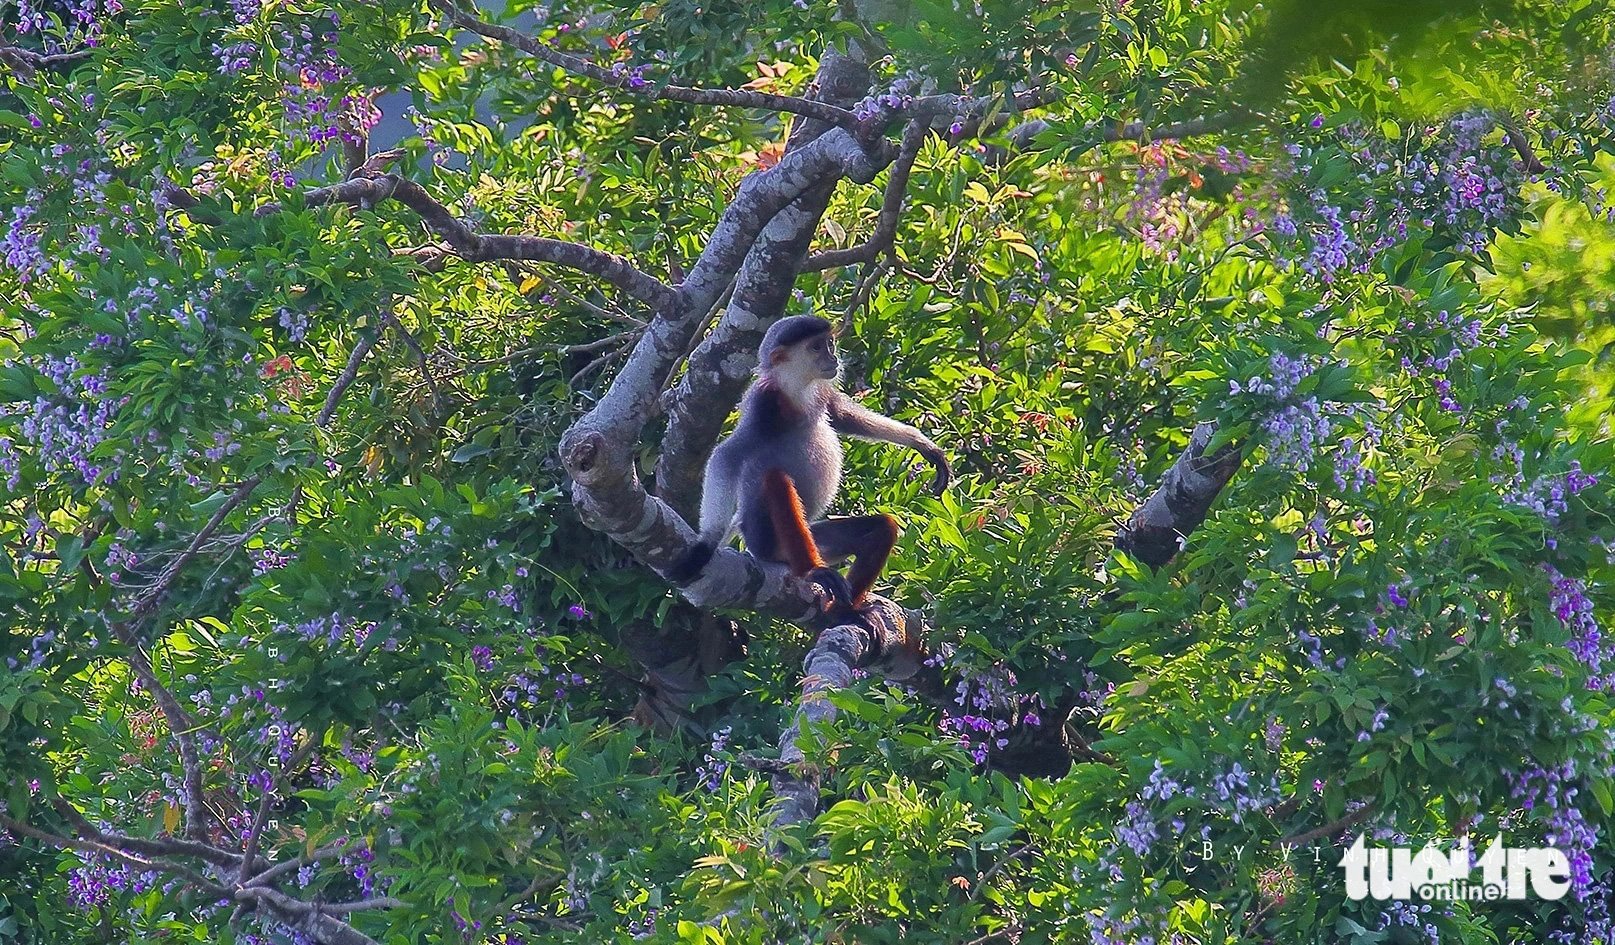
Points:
868	539
793	539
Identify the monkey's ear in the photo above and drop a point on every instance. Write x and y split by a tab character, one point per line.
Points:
778	356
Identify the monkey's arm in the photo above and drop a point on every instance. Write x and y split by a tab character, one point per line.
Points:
850	418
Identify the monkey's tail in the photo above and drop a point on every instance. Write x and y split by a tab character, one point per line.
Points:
686	568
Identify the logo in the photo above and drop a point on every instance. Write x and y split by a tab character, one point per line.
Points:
1432	874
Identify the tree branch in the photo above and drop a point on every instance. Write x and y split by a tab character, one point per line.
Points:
598	451
305	917
179	722
190	876
1158	528
1330	829
318	921
153	598
1020	137
891	208
26	63
366	192
741	98
884	640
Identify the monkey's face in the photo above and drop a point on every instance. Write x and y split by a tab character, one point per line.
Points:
820	353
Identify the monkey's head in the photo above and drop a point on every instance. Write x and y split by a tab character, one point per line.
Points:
799	350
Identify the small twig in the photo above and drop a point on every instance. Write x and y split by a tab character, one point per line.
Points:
891	208
741	98
516	900
998	867
363	905
600	363
273	873
865	288
589	347
421	360
594	309
250	853
1330	829
154	597
345	379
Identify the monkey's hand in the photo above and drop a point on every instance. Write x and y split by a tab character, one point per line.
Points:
691	563
939	462
836	586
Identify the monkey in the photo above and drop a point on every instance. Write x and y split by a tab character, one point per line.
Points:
772	478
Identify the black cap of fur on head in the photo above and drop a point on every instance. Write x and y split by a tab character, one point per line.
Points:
791	331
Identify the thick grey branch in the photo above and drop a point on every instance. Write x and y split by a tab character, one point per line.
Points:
885	640
720	367
1158	528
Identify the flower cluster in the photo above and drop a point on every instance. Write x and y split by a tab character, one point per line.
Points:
1235	793
1550	794
541	688
1299	430
236	57
21	245
983	708
82	22
633	77
316	103
1413	916
65	430
714	764
1548	496
337	631
1457	181
1570	605
93	884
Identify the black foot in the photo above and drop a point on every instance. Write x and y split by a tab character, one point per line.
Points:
836	586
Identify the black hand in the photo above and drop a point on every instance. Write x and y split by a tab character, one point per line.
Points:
944	474
835	585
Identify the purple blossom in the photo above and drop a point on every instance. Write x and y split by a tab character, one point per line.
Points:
1138	829
21	245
